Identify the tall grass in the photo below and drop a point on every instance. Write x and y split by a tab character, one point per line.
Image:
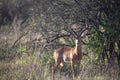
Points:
32	68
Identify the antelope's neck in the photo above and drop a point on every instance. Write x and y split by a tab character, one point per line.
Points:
78	48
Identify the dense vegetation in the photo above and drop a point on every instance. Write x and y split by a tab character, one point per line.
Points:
30	30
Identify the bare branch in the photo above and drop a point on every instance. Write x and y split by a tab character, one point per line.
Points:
84	29
76	1
72	32
59	36
19	38
84	43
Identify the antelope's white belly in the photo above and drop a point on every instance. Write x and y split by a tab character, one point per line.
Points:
66	58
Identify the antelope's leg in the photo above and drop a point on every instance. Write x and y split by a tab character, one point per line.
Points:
55	68
78	67
72	67
57	63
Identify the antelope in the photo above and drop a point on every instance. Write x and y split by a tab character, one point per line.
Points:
72	55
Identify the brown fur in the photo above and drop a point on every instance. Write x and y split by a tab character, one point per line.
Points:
67	55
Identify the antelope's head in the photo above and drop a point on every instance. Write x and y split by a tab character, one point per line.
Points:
78	34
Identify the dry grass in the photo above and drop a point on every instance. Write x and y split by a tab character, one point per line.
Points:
31	68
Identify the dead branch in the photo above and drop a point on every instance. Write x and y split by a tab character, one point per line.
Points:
19	38
59	36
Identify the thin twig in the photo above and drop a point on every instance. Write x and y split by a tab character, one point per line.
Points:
19	39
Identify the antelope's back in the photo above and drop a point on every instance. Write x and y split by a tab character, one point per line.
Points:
58	53
63	51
